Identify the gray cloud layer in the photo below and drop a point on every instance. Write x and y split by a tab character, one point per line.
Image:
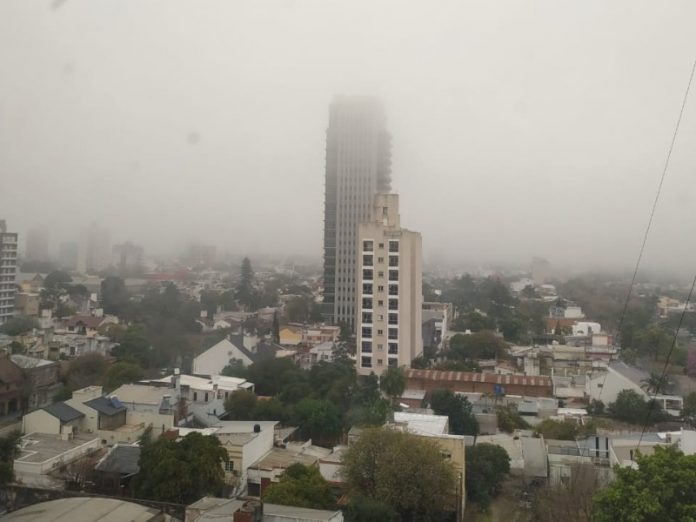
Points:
519	128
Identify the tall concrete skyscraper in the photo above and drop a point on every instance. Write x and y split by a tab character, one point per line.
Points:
358	165
390	290
8	272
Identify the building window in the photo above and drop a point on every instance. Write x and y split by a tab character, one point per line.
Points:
381	245
379	347
367	246
367	288
366	331
380	274
367	303
394	246
367	317
393	334
393	275
367	260
366	347
394	319
367	274
393	362
366	362
379	362
393	305
393	260
380	288
393	349
229	465
195	396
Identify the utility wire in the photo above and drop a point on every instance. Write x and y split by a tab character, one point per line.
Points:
652	214
669	356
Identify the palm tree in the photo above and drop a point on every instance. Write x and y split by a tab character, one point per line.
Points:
654	383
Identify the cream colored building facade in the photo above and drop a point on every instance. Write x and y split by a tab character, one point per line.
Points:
389	290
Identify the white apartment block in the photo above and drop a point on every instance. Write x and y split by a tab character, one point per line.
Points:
8	272
390	298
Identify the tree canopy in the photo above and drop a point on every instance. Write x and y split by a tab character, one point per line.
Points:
9	451
181	472
301	486
631	407
403	471
458	409
662	488
487	465
114	295
393	382
121	373
18	325
480	345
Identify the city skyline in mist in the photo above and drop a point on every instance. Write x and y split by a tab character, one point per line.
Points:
516	132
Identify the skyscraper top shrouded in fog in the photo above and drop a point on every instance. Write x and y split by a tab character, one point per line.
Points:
358	165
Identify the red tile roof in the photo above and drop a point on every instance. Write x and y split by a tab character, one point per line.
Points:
492	378
88	320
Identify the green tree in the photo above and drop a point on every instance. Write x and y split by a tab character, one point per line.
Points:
246	291
240	405
487	465
654	383
270	376
662	488
236	368
393	382
19	325
376	467
133	346
632	408
57	279
564	430
301	486
9	451
181	472
121	373
276	328
114	295
86	370
510	420
318	419
689	409
297	310
365	509
480	345
458	409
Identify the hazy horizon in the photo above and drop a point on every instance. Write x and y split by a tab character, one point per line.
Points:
518	129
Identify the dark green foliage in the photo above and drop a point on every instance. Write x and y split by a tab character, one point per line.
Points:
301	486
246	293
663	488
480	345
631	407
57	279
393	382
236	369
319	420
86	370
458	409
272	375
487	465
595	407
9	450
366	509
241	405
19	325
276	328
121	373
564	430
403	471
181	472
510	420
689	409
114	295
133	346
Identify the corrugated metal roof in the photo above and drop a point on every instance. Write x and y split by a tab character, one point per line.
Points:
490	378
121	459
106	406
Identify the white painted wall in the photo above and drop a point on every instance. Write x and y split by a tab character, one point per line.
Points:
215	358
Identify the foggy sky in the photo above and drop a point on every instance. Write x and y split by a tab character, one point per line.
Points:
519	128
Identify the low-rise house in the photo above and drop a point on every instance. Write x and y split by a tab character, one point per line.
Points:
57	419
86	324
235	348
211	509
41	455
157	406
320	353
268	468
117	468
11	390
41	380
291	335
606	384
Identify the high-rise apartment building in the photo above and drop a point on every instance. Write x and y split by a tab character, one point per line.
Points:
390	290
358	165
8	272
